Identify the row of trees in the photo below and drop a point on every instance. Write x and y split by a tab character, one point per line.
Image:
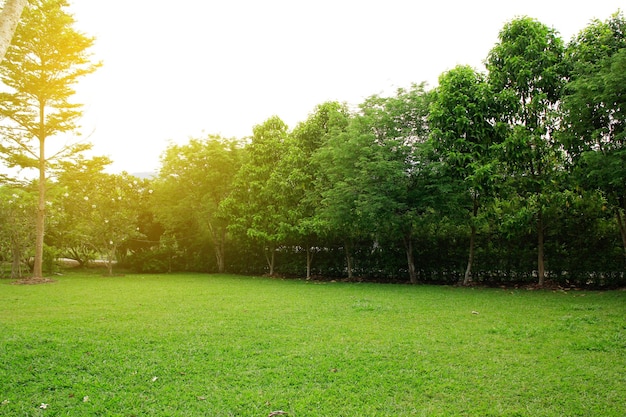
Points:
516	174
525	158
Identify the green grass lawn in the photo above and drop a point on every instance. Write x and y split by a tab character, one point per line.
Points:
209	345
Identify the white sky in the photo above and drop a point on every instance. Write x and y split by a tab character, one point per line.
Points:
186	68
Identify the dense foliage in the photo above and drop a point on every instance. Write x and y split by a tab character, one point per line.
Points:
512	175
46	59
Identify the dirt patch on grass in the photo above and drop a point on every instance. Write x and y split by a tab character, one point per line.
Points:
33	281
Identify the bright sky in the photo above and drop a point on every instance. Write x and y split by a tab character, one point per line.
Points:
187	68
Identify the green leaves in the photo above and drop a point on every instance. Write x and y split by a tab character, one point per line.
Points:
527	69
594	101
594	107
461	118
482	160
94	211
192	190
528	59
46	58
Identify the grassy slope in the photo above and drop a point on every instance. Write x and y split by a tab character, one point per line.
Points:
189	345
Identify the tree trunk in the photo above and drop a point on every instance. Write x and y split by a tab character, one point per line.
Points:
270	257
470	259
9	19
218	238
540	249
41	214
309	261
110	257
219	254
348	260
410	259
622	227
219	257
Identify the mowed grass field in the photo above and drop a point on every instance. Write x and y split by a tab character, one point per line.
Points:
219	345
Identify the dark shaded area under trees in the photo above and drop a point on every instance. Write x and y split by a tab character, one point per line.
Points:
516	175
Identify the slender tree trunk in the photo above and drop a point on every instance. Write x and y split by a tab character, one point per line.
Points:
220	252
410	258
270	257
622	227
309	261
219	257
470	259
9	19
540	249
348	260
110	257
218	238
41	213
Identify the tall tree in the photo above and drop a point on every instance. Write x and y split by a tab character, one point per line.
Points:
193	182
47	57
9	18
336	214
255	207
464	133
394	178
594	107
297	174
526	67
370	190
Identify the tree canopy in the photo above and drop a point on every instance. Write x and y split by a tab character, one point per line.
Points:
46	58
515	174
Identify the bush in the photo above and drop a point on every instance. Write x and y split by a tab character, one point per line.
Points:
150	261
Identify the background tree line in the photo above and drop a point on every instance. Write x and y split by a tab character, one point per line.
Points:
516	174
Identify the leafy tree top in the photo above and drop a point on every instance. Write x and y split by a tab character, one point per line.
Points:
41	67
